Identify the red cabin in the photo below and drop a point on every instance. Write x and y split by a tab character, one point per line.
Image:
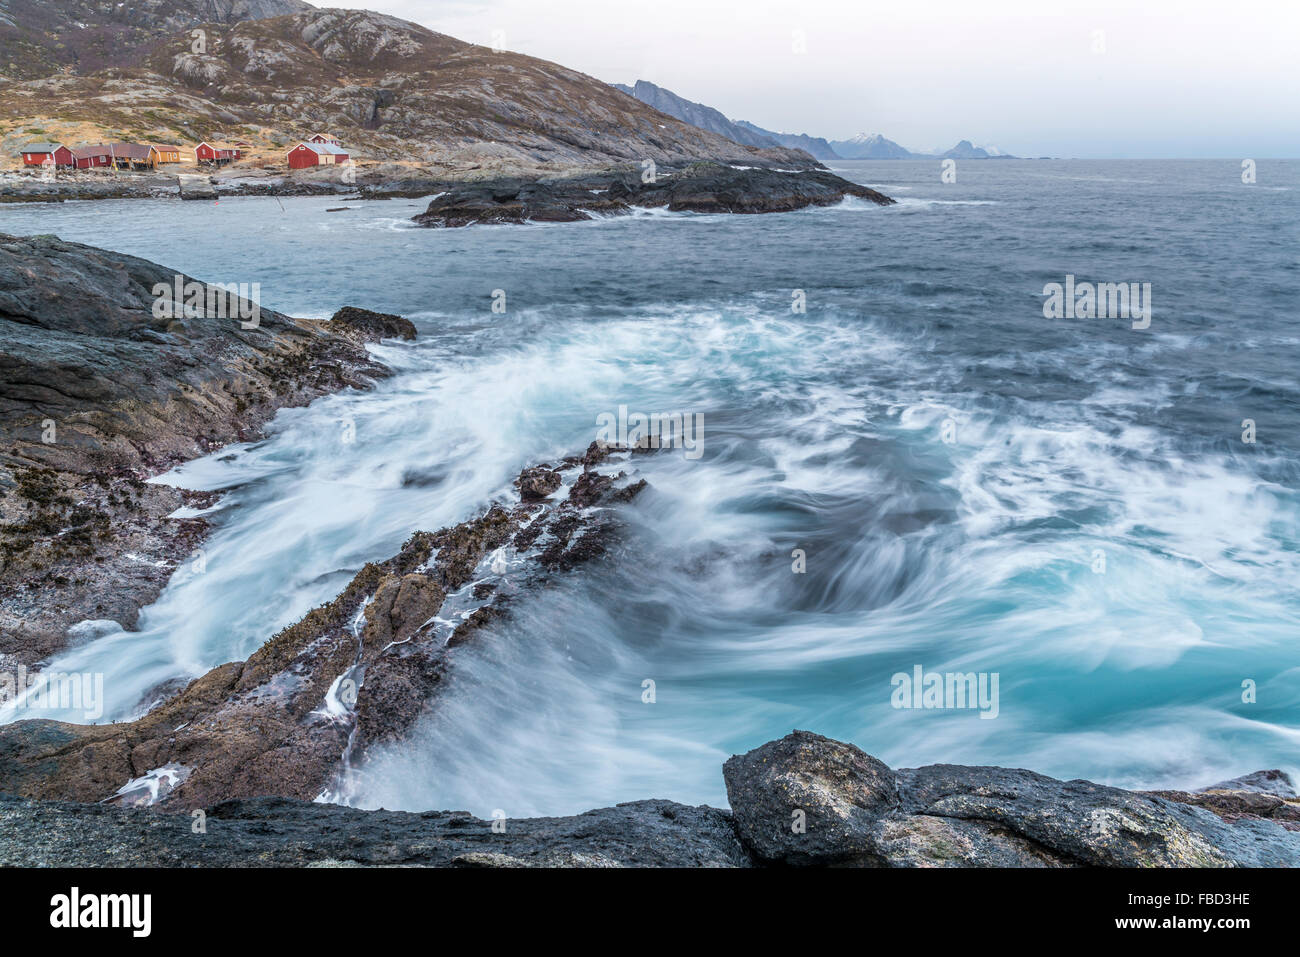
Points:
38	154
218	153
316	154
329	138
90	157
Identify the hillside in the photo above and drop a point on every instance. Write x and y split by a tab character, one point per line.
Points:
390	89
41	37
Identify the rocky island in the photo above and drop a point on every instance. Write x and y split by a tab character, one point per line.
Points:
698	188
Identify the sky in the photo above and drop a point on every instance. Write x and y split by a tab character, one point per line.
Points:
1110	78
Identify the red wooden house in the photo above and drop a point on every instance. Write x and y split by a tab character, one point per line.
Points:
329	138
92	156
316	154
218	153
37	154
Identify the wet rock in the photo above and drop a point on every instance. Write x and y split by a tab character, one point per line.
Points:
275	832
858	811
537	483
299	715
806	799
372	326
700	187
100	390
1262	795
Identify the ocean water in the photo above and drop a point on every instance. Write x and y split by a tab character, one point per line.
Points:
1066	503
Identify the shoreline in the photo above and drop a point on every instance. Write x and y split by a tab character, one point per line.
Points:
102	396
557	196
802	801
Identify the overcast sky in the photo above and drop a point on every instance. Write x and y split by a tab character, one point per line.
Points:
1121	78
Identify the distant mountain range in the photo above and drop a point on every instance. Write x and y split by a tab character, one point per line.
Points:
815	145
863	146
875	146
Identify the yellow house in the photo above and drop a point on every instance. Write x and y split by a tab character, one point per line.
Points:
165	154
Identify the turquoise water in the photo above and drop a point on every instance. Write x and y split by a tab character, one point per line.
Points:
950	463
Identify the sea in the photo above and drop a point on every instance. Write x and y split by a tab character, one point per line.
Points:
910	465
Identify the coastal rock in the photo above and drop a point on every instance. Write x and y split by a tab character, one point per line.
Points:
370	326
806	799
538	483
100	390
1263	795
699	188
194	186
857	811
296	719
276	832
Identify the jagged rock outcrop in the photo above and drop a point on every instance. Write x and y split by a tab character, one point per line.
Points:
699	188
100	390
808	800
298	716
856	811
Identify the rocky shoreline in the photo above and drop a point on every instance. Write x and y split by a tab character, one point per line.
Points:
97	394
802	801
481	196
297	718
698	188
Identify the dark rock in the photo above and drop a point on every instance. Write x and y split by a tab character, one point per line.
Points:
370	326
700	187
304	708
537	483
1265	782
276	832
806	799
100	390
859	812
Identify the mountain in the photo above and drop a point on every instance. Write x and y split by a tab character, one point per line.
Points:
696	114
814	145
388	88
968	150
871	146
41	37
707	118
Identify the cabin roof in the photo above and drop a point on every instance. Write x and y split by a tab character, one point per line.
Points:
41	147
322	148
132	151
